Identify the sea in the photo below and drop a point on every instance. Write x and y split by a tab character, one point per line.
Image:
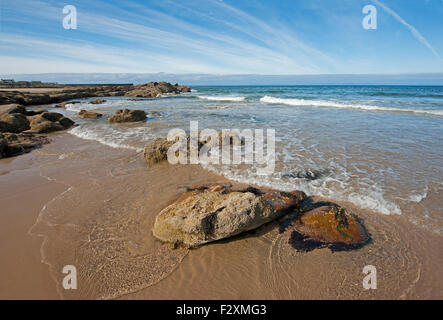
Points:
378	147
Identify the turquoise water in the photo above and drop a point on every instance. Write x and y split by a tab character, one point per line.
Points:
379	147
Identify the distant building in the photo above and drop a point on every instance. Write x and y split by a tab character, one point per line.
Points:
7	81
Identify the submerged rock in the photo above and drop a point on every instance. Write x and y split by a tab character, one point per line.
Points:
97	101
90	114
127	115
331	224
328	225
307	174
210	213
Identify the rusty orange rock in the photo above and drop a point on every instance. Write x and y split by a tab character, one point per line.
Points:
331	224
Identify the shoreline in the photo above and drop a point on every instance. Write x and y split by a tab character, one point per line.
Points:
194	274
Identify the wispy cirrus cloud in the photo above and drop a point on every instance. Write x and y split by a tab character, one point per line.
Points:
205	36
413	30
155	33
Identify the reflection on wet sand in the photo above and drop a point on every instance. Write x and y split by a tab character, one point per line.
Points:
101	222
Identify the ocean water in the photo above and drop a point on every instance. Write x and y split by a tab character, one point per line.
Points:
378	147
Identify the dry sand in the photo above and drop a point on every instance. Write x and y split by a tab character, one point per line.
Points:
76	202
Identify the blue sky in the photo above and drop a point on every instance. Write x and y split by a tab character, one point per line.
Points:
222	37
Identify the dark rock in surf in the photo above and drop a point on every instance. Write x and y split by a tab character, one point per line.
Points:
97	101
12	144
127	115
90	114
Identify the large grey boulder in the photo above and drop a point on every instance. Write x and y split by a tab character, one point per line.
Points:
206	214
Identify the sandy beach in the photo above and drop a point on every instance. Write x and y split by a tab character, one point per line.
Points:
221	150
63	205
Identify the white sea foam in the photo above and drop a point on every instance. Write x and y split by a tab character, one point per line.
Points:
127	138
334	104
328	187
419	197
75	107
223	98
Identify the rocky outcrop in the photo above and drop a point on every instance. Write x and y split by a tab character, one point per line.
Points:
58	96
49	122
16	123
97	101
127	115
156	89
152	89
13	118
209	213
90	114
12	144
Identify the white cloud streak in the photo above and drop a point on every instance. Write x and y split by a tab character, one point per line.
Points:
413	30
158	34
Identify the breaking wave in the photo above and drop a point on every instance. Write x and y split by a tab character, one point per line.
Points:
333	104
223	98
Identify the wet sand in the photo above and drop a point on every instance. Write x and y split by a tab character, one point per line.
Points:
77	202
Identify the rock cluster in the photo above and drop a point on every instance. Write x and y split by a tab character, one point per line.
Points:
209	213
156	89
18	127
34	98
